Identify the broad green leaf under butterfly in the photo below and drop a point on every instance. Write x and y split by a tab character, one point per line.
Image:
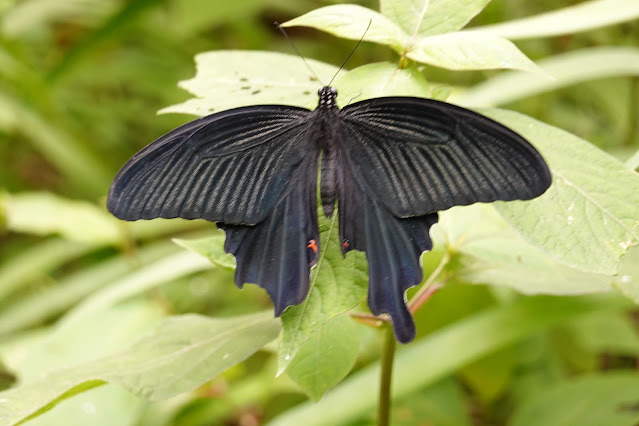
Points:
326	357
424	17
589	217
181	354
338	284
210	247
233	78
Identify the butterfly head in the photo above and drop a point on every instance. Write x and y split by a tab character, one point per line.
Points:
327	97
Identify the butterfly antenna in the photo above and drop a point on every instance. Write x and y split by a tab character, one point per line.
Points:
353	51
279	27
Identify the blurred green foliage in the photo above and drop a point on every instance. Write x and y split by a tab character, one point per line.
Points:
80	84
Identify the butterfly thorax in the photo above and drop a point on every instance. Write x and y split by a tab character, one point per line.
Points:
327	112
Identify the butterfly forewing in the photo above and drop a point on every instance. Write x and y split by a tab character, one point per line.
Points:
419	156
231	167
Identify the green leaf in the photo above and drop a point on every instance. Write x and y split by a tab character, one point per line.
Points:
437	355
233	78
210	247
569	20
43	213
350	21
181	354
470	51
337	285
588	218
326	357
604	399
381	79
423	17
566	69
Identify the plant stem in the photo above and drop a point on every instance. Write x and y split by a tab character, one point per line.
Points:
427	289
388	354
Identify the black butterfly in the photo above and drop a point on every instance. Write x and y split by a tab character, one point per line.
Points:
390	164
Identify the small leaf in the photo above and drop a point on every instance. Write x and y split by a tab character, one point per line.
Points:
470	51
181	354
350	21
212	248
603	399
588	218
424	18
584	16
338	284
326	357
233	78
381	79
43	213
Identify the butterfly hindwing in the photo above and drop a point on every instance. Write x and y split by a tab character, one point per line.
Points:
277	253
420	156
393	248
230	167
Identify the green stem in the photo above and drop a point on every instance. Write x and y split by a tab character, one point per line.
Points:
388	354
428	288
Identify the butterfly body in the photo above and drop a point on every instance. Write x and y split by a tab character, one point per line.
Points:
387	164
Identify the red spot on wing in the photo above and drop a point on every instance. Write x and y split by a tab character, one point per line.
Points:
312	244
345	244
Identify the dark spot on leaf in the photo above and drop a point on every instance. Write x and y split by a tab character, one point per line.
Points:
245	87
306	92
243	79
312	78
255	92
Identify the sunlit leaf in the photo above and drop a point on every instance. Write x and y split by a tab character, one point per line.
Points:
233	78
424	17
350	21
470	51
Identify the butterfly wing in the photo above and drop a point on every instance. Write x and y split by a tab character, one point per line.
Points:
402	160
231	166
420	156
254	171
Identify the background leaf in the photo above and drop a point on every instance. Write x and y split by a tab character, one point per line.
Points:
568	20
589	401
164	363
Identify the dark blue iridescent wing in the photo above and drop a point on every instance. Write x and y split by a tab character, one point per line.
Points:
231	166
420	156
404	159
254	171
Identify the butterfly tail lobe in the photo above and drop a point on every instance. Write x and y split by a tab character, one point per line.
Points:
393	250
